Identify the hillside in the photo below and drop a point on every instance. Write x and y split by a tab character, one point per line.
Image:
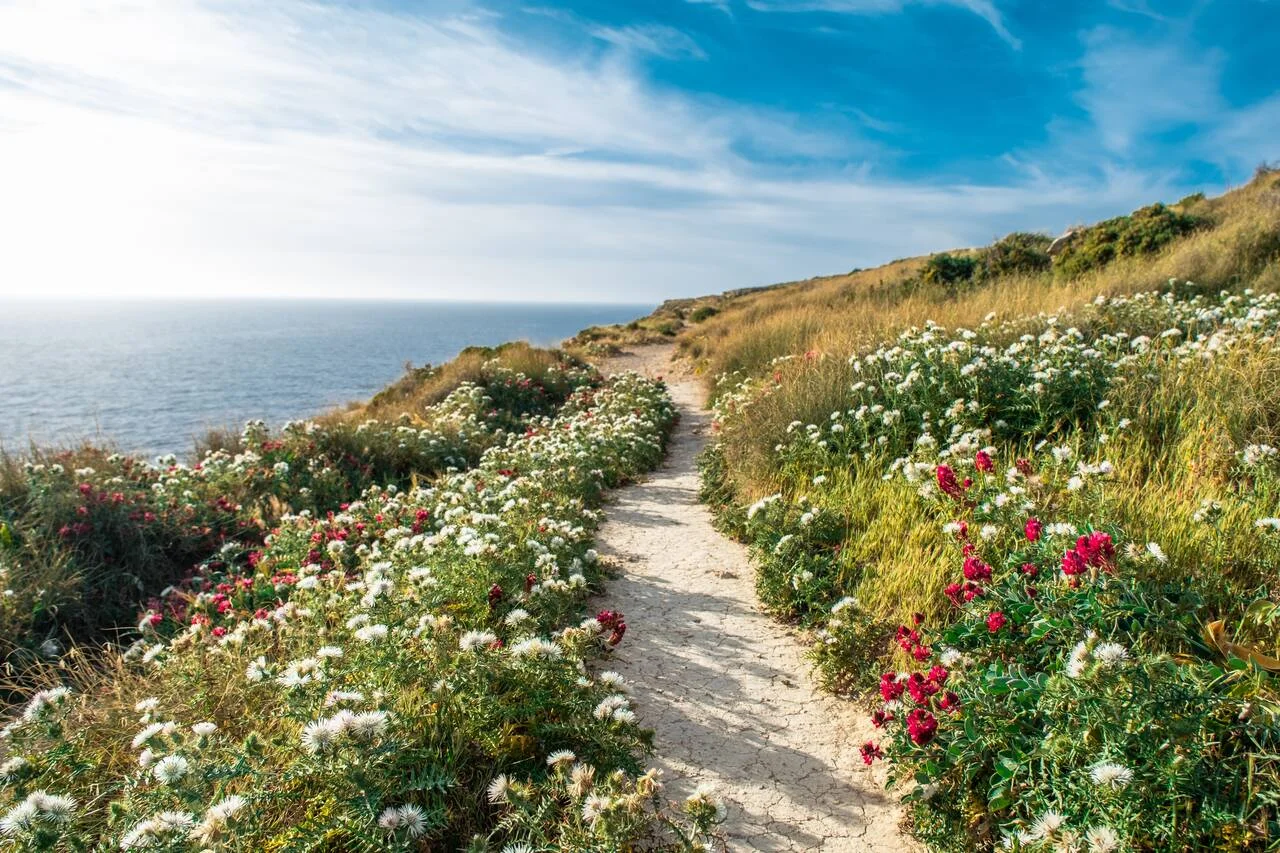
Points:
1028	504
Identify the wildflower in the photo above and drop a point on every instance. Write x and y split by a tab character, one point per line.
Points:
41	703
1101	839
870	752
921	726
498	788
1157	552
1047	826
594	808
14	768
320	735
1107	774
1078	659
1032	529
982	461
474	640
995	621
204	729
372	633
1110	654
561	756
171	769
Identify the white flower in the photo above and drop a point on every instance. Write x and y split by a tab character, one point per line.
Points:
1157	552
1078	660
367	725
372	633
226	809
536	647
320	735
204	729
1047	826
497	791
1101	839
328	652
561	756
171	769
1110	654
1108	774
475	640
594	808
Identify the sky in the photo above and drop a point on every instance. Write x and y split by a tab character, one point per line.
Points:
593	150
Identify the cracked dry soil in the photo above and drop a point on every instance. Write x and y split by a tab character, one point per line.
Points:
723	685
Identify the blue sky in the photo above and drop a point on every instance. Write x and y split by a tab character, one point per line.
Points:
594	149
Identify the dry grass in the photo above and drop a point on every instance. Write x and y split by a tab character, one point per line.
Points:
845	313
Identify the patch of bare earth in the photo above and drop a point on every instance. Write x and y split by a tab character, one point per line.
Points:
724	686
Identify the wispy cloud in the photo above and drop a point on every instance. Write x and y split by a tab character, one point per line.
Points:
985	9
656	39
1137	87
224	146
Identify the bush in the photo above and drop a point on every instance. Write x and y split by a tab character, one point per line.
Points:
949	271
703	312
1019	253
1071	700
1143	232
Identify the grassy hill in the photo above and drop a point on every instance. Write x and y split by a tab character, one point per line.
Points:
1028	502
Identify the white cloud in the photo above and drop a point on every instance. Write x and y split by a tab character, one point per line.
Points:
1134	88
192	147
985	9
656	39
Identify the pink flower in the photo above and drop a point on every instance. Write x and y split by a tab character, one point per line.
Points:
1033	529
949	702
982	461
870	752
995	621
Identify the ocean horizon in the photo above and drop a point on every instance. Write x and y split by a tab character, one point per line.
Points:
149	377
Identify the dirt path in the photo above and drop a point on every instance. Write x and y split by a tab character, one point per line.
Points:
725	687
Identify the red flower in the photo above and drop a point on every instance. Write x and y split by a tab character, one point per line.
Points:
921	726
890	687
976	570
1033	529
995	621
1030	570
529	581
921	653
1024	467
949	702
870	752
921	688
880	718
947	482
982	461
495	595
938	675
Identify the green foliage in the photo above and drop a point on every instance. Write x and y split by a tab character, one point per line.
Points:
1015	254
90	534
702	312
407	673
948	271
1143	232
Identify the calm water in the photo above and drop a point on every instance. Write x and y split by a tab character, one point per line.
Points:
148	377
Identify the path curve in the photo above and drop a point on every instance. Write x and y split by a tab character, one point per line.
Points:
724	686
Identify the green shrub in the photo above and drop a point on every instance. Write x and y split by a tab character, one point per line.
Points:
1142	232
949	271
703	312
1016	254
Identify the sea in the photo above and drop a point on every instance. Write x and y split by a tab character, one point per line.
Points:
149	377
